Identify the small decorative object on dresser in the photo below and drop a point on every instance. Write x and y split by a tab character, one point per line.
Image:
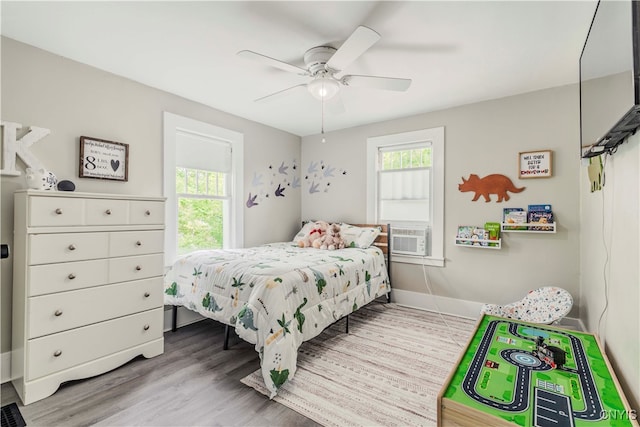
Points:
40	179
87	286
66	186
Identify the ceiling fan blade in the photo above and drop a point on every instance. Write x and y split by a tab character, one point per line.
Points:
280	93
376	82
273	62
357	44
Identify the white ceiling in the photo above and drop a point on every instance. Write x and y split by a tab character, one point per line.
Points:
455	52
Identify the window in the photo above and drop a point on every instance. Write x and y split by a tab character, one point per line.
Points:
202	184
404	183
203	199
405	186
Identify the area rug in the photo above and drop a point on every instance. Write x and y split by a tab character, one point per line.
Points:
387	371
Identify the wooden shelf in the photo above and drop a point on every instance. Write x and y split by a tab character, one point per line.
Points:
529	227
478	243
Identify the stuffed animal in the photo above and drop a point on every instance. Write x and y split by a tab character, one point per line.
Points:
40	179
313	239
332	239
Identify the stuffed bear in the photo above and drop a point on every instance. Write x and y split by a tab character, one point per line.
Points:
332	239
313	239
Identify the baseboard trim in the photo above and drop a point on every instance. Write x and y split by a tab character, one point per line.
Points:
185	317
458	307
573	324
444	305
5	367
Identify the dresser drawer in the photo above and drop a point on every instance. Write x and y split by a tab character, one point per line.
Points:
106	212
67	310
55	211
50	248
56	352
67	276
123	243
135	267
146	212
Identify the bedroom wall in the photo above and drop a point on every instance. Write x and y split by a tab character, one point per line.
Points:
609	268
481	138
71	99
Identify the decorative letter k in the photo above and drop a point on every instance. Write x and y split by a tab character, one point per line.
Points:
12	147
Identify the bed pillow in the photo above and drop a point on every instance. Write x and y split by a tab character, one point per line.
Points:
304	231
358	237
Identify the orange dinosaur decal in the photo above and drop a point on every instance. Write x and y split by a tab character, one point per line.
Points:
490	184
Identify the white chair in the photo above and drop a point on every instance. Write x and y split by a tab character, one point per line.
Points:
544	305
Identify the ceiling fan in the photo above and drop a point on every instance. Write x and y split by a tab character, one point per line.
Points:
324	65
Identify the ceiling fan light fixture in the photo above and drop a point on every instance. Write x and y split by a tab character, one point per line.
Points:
323	88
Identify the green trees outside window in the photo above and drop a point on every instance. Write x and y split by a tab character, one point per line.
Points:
406	159
202	196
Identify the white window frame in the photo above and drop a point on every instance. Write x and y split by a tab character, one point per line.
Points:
436	137
173	123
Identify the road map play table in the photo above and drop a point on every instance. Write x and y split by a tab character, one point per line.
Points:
500	380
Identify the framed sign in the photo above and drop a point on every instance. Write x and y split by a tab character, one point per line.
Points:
535	164
103	159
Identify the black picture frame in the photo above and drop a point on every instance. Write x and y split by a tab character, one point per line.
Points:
102	159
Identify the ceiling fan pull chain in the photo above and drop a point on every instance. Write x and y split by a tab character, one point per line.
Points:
322	115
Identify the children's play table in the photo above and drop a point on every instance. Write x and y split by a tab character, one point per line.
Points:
516	373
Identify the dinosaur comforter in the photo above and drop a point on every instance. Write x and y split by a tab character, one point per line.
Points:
278	295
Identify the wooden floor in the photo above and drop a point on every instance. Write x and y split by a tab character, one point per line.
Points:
193	383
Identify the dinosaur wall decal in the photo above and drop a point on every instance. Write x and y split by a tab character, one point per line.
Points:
490	184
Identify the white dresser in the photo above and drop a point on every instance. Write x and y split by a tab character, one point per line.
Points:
87	286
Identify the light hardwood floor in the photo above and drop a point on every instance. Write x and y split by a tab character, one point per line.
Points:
193	383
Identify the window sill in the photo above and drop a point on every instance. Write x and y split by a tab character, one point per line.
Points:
426	260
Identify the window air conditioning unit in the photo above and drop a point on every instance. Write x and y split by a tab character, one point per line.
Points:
409	241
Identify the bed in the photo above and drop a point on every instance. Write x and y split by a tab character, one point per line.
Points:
278	295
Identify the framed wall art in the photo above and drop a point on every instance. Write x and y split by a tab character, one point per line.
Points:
535	164
103	159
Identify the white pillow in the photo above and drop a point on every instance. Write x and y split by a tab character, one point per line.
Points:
358	237
304	231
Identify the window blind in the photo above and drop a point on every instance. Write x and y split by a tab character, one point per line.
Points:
194	151
404	195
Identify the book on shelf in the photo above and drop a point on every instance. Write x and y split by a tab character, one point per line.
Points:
540	214
514	216
471	235
493	232
539	208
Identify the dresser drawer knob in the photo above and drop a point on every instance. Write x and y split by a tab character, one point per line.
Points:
138	268
146	327
72	247
108	211
71	276
57	353
138	243
147	212
58	313
147	294
59	211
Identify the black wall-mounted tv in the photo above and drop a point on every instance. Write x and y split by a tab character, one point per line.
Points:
610	78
